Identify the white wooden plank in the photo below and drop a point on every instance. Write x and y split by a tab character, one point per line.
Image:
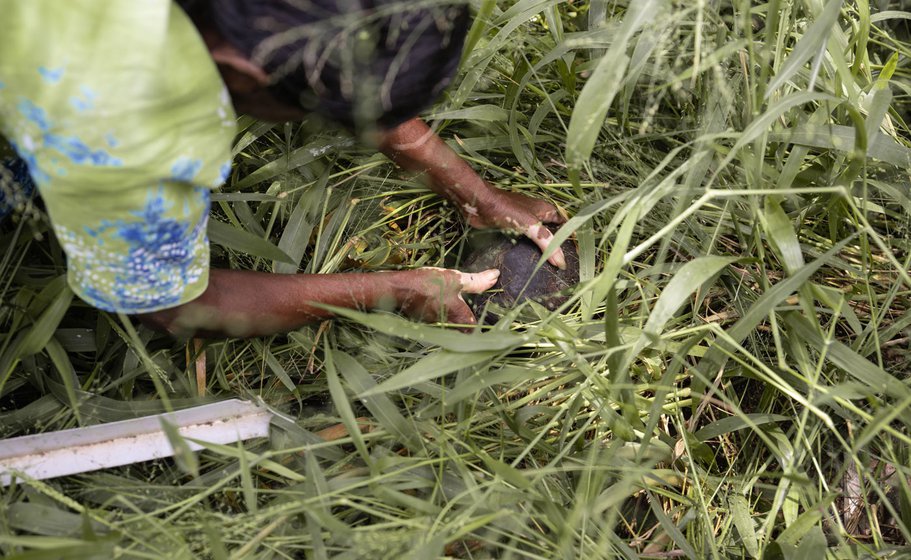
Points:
103	446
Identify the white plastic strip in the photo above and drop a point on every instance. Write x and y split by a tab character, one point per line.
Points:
130	441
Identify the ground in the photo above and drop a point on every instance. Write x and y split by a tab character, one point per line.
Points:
729	379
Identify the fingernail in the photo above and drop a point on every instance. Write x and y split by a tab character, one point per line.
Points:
559	260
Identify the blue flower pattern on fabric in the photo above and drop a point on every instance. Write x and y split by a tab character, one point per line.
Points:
185	169
35	114
224	172
152	256
70	146
161	258
51	75
31	163
81	105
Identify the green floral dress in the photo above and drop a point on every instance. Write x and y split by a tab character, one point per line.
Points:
125	125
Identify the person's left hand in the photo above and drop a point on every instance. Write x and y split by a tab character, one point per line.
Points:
520	214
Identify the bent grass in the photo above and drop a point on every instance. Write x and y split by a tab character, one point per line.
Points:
729	379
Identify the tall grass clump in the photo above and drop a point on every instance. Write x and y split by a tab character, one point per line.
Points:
730	379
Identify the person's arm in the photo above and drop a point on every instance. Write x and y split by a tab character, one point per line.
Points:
416	148
240	303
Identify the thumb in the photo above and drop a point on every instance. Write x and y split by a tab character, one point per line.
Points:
475	283
542	238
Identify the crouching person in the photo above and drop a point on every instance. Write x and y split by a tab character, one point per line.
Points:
124	114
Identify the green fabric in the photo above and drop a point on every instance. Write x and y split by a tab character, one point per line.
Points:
125	124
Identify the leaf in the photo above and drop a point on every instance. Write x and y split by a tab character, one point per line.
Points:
35	338
781	233
279	371
299	227
879	423
670	528
889	14
317	487
243	197
46	520
877	105
813	546
849	361
298	158
715	358
246	478
445	338
67	374
521	11
343	404
41	332
479	26
607	279
382	408
842	138
735	423
805	523
808	45
740	511
509	473
685	282
599	91
241	454
477	381
184	457
480	113
221	233
256	130
433	366
77	340
214	539
762	124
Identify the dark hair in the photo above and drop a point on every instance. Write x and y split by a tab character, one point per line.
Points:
359	62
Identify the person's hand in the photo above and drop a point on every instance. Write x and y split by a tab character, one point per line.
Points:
435	294
416	148
520	214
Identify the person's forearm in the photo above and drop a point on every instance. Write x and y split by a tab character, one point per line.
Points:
415	147
240	303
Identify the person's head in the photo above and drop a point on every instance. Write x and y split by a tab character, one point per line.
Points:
363	63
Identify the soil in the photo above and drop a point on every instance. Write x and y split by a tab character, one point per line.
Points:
517	258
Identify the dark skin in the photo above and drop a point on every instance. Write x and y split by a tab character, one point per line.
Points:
246	303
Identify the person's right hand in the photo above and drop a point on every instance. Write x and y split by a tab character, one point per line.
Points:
523	215
435	294
415	147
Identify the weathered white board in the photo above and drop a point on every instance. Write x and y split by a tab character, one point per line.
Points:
103	446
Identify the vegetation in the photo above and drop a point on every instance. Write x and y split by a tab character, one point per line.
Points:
729	380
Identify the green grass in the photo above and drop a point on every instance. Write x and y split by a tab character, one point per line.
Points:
729	380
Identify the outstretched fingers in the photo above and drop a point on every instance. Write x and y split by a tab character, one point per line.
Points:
543	238
477	282
544	213
457	311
